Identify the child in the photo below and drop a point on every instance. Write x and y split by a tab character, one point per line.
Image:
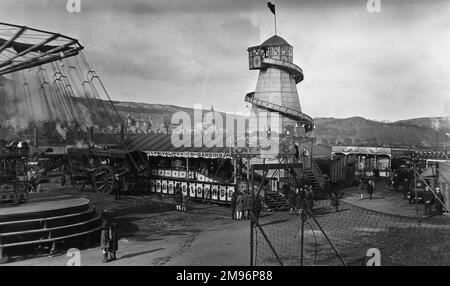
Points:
113	241
105	242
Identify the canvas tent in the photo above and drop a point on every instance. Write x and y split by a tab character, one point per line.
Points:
441	168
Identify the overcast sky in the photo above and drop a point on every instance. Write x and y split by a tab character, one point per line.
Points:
386	66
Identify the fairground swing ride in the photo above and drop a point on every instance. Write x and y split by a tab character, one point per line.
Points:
45	80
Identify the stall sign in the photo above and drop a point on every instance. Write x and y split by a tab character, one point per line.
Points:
222	193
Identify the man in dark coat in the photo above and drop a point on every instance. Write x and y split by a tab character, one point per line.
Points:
257	207
310	197
396	182
233	204
428	200
113	241
178	196
370	187
300	201
119	185
106	221
292	201
405	186
439	204
335	201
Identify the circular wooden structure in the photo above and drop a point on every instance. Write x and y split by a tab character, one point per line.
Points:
46	223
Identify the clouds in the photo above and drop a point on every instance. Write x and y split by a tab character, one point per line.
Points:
389	65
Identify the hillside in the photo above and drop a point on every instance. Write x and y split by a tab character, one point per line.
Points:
361	131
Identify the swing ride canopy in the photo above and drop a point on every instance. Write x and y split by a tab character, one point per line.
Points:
23	47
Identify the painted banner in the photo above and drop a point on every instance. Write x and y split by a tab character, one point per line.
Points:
164	186
170	187
191	175
175	174
208	155
215	192
152	186
158	186
192	190
154	172
184	188
168	173
199	193
182	174
161	173
222	193
230	191
201	177
207	191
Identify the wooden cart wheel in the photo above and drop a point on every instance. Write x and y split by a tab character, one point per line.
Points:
104	179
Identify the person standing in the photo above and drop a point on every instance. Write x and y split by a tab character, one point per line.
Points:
113	241
63	174
335	201
396	181
310	197
246	203
105	238
185	201
240	206
370	187
439	204
233	205
119	186
428	199
362	182
405	186
300	201
178	197
292	200
257	207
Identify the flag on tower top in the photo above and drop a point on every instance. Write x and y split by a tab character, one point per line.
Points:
271	7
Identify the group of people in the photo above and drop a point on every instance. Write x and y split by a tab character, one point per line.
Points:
242	205
109	237
181	200
300	199
430	199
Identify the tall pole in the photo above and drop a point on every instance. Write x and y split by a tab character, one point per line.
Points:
446	139
302	238
251	213
415	196
275	17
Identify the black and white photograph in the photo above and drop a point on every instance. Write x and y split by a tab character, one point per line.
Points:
224	133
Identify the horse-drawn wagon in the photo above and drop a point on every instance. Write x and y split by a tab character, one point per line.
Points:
99	167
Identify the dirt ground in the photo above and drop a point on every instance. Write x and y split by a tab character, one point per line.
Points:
154	233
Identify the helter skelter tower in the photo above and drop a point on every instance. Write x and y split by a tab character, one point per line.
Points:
276	92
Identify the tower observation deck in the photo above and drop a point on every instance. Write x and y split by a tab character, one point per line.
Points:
276	91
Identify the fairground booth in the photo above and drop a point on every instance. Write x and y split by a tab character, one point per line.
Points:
204	173
437	174
367	161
